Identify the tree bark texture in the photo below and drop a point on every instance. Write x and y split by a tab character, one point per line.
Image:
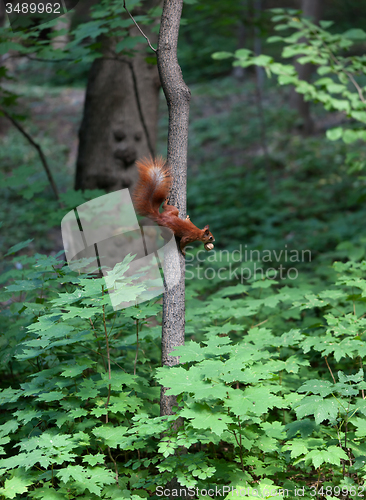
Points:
120	118
311	9
178	97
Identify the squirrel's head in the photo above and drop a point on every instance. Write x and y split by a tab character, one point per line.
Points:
207	238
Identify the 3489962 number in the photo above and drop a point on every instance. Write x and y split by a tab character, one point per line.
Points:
336	491
33	8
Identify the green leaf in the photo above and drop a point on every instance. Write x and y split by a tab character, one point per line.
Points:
203	418
18	246
274	39
264	283
340	104
189	352
350	136
221	55
9	426
322	387
334	134
91	478
243	53
322	409
297	448
306	427
7	45
331	455
128	43
323	70
94	459
326	24
336	88
111	436
360	424
355	34
262	60
286	79
359	115
17	485
280	27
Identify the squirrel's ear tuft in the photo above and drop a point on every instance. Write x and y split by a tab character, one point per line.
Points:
206	228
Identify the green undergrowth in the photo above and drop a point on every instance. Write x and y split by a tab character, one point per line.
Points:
271	381
270	386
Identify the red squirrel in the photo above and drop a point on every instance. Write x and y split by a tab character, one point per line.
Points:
152	189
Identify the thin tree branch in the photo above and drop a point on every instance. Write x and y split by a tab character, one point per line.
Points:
40	59
350	76
100	349
326	360
139	107
137	346
115	464
38	148
358	88
362	390
108	361
138	27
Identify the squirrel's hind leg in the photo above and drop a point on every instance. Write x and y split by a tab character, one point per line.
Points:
173	211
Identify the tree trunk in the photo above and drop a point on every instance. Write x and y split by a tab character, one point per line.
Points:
60	41
178	97
311	9
120	117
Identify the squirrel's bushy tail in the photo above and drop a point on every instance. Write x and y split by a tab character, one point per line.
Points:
152	187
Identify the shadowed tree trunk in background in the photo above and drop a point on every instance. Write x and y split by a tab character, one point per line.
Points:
2	13
311	9
120	116
4	124
238	71
259	71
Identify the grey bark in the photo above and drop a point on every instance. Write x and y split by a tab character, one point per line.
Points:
312	10
177	95
120	117
60	41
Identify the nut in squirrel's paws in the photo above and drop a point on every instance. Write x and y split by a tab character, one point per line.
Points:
208	246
